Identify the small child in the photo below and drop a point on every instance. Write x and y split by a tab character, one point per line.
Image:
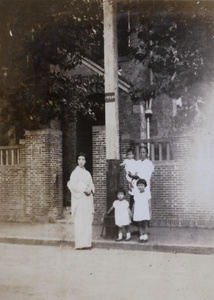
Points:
130	166
122	215
129	163
141	210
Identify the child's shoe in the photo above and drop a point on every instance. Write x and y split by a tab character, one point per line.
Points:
120	237
143	238
128	236
140	239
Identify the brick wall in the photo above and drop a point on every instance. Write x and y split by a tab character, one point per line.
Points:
182	189
32	190
182	195
12	195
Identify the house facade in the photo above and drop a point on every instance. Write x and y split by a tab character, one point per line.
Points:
34	173
34	176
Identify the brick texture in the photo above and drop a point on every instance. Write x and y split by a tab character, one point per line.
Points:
32	190
99	172
182	189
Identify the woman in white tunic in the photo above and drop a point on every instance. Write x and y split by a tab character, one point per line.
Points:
144	170
82	207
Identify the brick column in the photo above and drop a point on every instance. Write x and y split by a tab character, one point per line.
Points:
124	146
99	171
44	196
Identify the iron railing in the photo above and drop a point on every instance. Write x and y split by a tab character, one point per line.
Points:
159	148
9	155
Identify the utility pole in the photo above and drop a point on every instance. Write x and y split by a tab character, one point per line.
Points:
111	101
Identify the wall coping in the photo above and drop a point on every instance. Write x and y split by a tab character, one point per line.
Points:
55	132
21	141
163	162
191	134
99	127
9	147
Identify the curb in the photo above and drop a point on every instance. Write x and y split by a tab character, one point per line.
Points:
108	244
35	241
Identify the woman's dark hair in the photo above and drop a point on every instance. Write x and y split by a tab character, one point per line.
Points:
144	147
81	154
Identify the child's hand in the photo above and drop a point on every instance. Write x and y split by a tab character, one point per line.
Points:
131	185
102	220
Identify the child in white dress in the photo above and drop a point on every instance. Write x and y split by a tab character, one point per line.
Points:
141	210
122	215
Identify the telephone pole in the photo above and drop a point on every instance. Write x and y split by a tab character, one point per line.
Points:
111	100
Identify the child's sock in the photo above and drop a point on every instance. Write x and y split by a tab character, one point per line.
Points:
128	235
120	236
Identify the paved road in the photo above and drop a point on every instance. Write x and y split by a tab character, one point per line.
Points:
50	273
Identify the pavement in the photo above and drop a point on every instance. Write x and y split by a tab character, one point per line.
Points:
161	239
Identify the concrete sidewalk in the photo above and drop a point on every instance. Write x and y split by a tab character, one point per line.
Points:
175	240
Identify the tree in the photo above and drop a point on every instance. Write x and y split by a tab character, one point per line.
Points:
175	42
42	41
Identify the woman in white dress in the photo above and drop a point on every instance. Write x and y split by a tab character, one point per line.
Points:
82	207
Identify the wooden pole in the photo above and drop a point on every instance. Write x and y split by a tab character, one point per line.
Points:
111	103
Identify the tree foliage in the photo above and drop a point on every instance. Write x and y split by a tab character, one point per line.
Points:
40	41
175	42
45	40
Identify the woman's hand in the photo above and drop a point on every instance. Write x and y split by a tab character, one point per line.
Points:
87	192
130	174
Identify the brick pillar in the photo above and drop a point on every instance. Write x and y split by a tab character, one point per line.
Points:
99	171
44	196
124	146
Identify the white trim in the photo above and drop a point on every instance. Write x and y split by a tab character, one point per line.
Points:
99	70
